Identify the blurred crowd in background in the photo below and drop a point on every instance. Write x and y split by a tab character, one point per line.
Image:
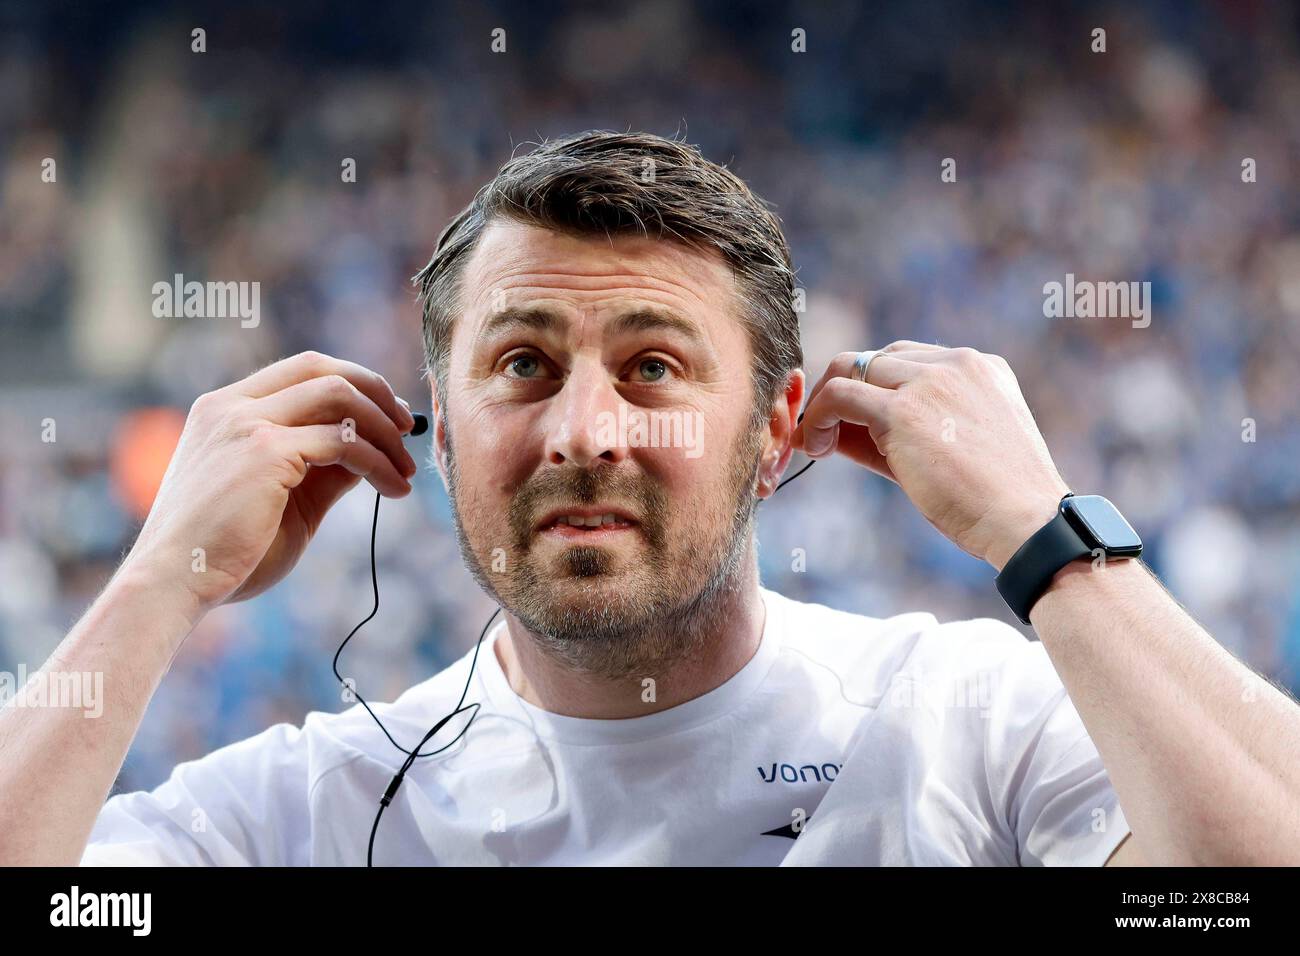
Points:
226	165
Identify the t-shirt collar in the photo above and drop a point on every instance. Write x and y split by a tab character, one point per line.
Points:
582	730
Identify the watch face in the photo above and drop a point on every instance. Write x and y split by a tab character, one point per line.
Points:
1101	525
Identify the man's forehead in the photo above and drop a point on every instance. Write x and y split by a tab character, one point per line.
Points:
514	255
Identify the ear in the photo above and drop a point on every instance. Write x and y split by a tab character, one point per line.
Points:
780	426
439	434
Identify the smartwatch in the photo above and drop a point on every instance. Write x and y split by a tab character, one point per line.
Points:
1084	526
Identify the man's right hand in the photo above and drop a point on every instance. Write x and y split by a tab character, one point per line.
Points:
259	464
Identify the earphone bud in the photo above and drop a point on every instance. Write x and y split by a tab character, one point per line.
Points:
421	424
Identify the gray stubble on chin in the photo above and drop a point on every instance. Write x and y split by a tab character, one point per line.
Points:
665	610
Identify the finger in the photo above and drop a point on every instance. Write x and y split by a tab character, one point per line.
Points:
307	365
840	400
798	438
323	445
839	366
885	369
907	345
963	357
936	355
921	356
320	490
331	399
856	444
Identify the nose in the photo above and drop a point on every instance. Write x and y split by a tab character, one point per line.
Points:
582	422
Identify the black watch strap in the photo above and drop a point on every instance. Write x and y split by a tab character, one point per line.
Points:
1024	578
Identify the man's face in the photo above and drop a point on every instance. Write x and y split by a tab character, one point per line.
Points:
599	441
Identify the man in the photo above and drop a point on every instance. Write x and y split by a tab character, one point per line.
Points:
645	700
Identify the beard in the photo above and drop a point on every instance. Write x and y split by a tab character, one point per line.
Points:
589	608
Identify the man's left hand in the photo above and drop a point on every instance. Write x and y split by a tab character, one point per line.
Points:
952	429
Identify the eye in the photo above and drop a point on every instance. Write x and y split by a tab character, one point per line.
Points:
525	365
651	370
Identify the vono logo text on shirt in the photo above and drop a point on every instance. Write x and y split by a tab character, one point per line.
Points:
102	909
788	773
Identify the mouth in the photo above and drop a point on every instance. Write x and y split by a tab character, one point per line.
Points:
588	524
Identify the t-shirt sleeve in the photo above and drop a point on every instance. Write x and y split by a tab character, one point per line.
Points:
242	805
1046	779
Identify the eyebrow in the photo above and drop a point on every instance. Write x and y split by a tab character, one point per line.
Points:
638	320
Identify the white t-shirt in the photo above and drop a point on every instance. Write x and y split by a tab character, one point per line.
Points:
845	740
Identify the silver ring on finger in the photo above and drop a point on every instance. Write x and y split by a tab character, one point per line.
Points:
862	365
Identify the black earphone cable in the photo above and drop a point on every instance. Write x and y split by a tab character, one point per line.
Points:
809	464
411	755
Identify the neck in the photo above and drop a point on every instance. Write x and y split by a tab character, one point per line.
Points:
734	633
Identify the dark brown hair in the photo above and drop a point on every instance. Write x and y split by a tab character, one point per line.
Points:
607	183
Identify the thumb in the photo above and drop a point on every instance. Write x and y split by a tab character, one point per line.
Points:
320	490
